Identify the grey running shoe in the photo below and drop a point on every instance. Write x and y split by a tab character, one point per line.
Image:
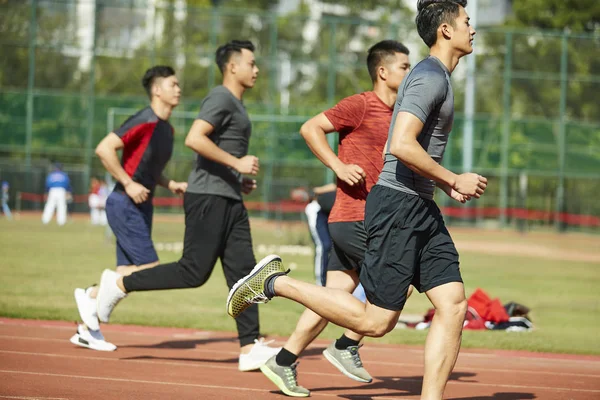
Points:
348	362
285	378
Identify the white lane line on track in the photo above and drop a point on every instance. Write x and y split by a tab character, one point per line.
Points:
460	368
217	387
305	373
32	397
217	335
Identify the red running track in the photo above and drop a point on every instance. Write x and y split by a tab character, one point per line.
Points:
37	361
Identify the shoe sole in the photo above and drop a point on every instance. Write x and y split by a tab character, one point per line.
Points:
80	295
273	377
257	365
254	367
343	370
255	271
81	342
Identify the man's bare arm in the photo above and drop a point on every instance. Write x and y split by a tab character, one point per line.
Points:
197	139
313	131
406	148
107	152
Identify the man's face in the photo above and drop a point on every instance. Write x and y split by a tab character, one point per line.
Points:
396	66
168	90
463	32
243	66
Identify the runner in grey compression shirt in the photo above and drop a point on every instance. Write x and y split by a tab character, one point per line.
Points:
427	94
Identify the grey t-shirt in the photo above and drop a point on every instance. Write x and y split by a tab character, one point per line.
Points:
232	129
426	93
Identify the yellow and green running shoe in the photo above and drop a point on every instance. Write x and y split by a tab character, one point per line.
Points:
251	288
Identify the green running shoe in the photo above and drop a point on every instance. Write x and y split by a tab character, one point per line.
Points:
251	288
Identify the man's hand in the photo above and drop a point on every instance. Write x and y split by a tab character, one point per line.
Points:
137	192
461	198
247	165
248	185
352	174
470	184
178	187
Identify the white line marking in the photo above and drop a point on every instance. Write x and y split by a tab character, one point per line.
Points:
32	398
460	368
216	335
306	373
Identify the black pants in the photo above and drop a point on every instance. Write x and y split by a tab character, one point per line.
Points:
215	227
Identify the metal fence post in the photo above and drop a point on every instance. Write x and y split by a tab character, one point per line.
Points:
467	161
214	23
272	132
30	82
561	142
505	129
331	78
91	99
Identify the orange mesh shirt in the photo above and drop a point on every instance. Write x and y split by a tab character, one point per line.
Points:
363	122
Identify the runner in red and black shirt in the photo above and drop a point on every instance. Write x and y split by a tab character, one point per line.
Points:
362	121
146	139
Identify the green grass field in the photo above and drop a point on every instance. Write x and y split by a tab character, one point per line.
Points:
41	265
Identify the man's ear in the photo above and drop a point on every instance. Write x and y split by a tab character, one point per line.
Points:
382	72
446	30
232	67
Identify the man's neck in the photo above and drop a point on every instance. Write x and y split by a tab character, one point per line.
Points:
234	87
161	109
448	57
385	94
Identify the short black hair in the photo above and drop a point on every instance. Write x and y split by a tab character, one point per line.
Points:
380	51
432	13
158	71
224	52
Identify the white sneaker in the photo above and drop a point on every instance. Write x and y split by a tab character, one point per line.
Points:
91	339
109	295
259	354
87	308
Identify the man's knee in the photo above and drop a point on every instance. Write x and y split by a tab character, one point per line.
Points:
193	273
380	327
455	309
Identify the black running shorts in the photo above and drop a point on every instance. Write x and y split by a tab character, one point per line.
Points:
349	245
408	243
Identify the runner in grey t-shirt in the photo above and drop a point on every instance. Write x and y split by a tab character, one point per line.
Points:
216	221
231	133
427	94
408	242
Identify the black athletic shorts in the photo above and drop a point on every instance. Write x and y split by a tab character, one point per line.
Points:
408	243
349	245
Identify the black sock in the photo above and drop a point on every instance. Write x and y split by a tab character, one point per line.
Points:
285	358
270	284
344	342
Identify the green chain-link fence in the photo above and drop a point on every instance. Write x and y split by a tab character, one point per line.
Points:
67	64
